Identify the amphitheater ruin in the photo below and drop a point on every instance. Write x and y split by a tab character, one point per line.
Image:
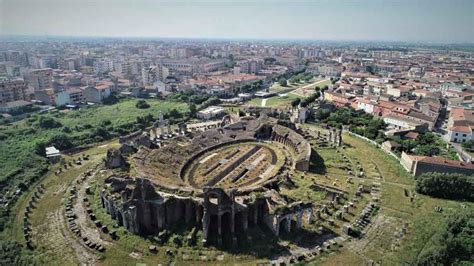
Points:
222	180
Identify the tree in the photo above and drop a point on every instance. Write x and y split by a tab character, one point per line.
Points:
448	186
192	110
452	244
48	122
322	114
174	113
112	99
304	102
283	82
101	133
142	104
61	141
317	88
468	145
295	102
317	95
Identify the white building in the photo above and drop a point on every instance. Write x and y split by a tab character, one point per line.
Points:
103	66
460	134
52	154
366	105
400	122
211	112
152	74
460	125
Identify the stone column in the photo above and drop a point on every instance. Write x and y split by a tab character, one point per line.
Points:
112	208
299	219
205	226
198	214
310	216
276	226
125	218
288	224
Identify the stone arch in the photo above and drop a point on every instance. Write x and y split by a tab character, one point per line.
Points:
119	218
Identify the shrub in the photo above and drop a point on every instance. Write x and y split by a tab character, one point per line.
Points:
142	104
453	244
176	240
448	186
48	122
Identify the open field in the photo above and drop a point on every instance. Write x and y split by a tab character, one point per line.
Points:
291	92
307	90
275	101
396	210
19	140
50	235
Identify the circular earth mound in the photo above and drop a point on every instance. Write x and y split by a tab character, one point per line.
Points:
233	166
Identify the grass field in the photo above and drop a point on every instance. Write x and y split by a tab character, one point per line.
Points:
292	91
48	237
396	210
275	101
308	89
18	140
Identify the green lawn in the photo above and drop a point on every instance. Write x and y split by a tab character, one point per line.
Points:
275	101
123	112
396	208
18	141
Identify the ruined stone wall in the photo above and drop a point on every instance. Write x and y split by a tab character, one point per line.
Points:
297	143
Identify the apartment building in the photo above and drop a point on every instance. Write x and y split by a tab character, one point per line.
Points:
13	90
40	79
460	125
69	96
98	93
152	74
103	66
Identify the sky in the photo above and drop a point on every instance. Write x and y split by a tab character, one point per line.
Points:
439	21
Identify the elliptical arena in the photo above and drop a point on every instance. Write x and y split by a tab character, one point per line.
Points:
222	180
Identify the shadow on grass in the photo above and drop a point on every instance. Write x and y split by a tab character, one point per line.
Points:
263	244
316	164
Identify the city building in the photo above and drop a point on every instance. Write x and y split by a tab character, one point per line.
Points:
13	90
70	96
97	93
418	165
40	79
460	125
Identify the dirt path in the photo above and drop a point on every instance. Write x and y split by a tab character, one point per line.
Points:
60	243
92	233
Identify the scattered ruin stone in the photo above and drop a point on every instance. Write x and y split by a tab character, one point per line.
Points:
152	249
115	159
